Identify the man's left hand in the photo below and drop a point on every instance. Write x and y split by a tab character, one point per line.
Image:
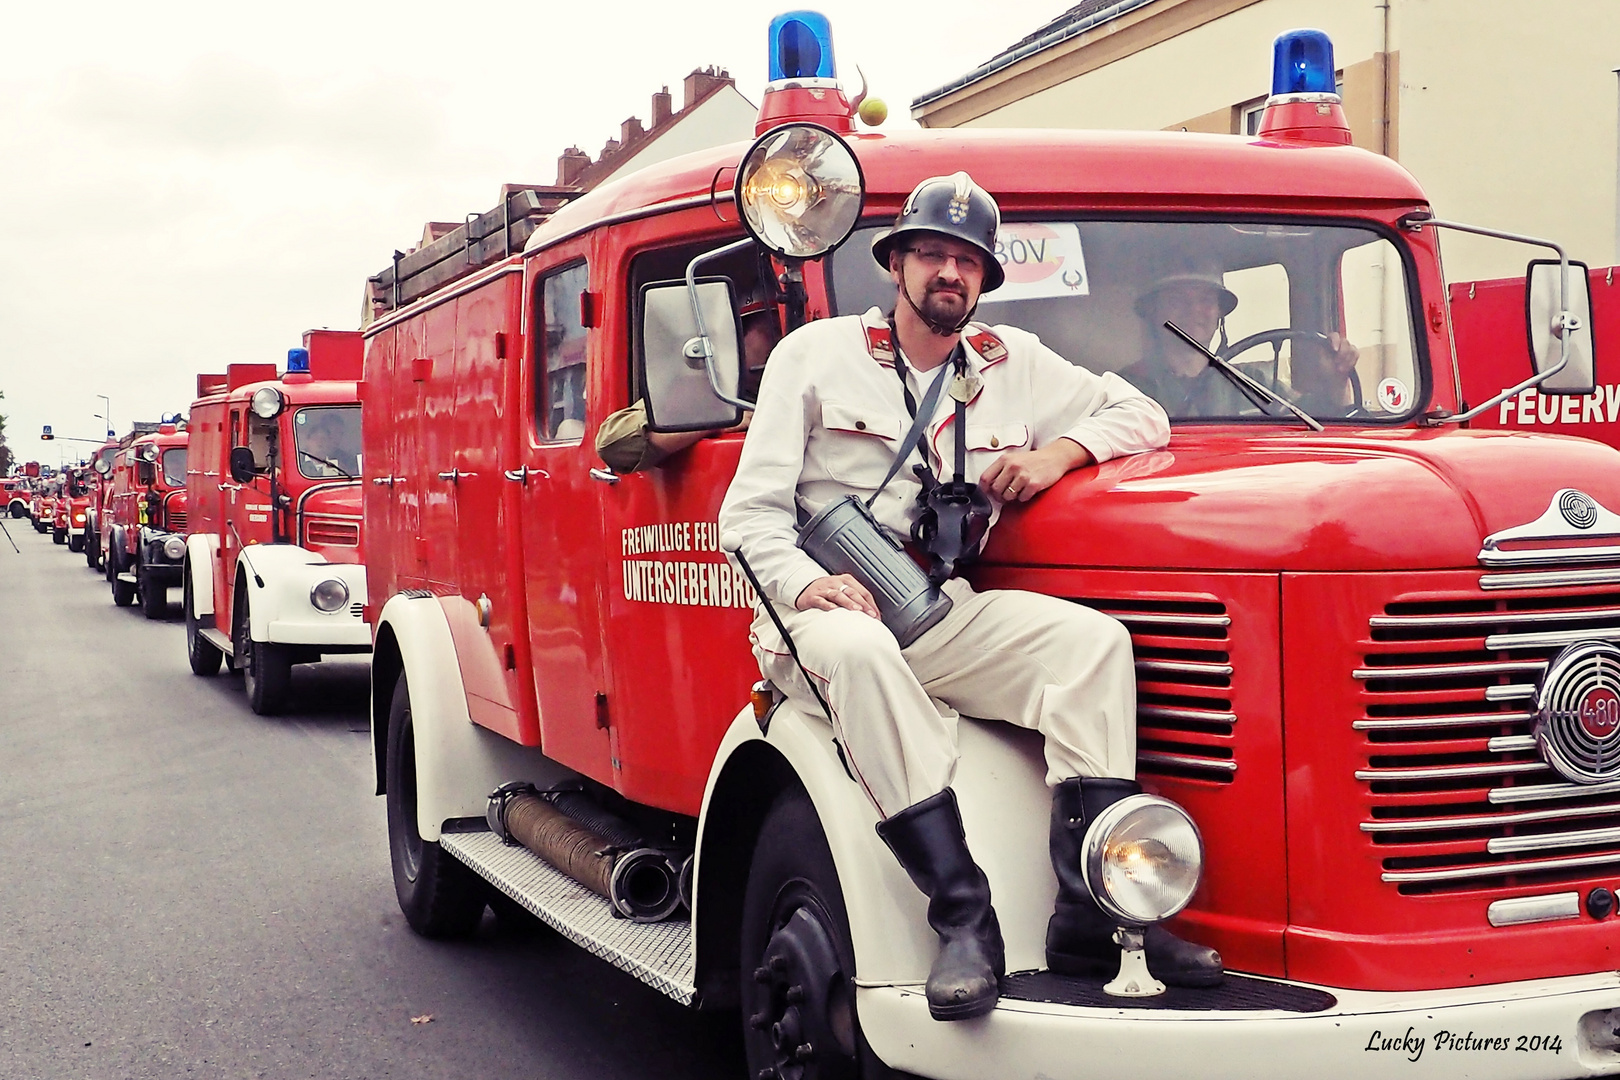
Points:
1020	475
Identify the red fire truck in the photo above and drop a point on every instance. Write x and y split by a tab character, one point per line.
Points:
101	491
16	496
273	567
1373	646
146	528
80	486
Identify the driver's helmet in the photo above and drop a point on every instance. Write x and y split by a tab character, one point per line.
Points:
952	206
1205	278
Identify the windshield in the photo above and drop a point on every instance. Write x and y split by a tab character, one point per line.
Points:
1319	314
328	442
174	467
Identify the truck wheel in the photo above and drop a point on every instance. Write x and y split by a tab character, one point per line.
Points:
798	967
109	563
92	550
76	543
154	599
201	653
440	897
123	592
58	536
267	678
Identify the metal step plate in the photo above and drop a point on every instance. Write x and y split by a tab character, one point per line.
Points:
1237	993
659	954
217	639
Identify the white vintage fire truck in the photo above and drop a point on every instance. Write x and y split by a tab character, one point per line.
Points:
1373	647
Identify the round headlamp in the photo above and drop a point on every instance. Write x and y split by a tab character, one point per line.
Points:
1142	859
800	190
267	402
329	595
146	452
174	548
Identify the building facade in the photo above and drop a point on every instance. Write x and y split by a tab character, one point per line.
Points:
1507	111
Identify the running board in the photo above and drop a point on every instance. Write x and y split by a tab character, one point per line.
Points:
216	639
659	954
129	578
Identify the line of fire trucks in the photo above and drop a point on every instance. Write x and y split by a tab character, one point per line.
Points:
1374	652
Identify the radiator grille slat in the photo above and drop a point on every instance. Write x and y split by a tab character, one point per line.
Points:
1459	797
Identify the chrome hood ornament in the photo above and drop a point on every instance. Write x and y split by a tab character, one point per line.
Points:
1572	515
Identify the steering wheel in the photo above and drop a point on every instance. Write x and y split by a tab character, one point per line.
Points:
1274	338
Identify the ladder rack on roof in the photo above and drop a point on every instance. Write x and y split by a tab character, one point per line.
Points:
483	239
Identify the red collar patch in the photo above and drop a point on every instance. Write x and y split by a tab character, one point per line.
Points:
986	344
880	344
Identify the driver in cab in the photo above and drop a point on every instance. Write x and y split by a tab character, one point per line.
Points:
1181	379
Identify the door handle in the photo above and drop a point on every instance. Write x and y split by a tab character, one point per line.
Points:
605	476
521	474
386	481
456	476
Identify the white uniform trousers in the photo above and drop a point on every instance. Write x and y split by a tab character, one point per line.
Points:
1032	660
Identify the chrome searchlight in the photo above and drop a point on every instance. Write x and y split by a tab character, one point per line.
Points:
800	190
1142	859
267	402
329	595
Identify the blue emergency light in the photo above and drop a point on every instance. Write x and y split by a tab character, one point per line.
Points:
297	360
1302	63
801	46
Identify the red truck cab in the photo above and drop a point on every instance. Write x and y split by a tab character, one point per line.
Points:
81	485
43	505
96	513
1352	630
147	530
274	572
15	493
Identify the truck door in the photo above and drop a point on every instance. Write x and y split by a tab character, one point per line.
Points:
563	554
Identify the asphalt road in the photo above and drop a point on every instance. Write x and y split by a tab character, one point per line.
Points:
189	890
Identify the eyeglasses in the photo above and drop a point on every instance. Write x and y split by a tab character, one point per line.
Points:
936	258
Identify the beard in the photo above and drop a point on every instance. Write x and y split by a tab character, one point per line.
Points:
944	304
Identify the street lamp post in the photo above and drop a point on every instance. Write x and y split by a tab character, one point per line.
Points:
106	418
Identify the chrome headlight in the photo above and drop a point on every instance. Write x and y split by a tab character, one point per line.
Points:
174	548
329	595
267	402
1142	859
800	190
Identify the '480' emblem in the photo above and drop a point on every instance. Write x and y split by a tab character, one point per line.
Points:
1577	725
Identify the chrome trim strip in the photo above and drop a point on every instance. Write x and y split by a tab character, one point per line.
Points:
1481	821
1515	692
1490	618
1549	639
1183	667
1508	744
1551	579
1155	757
1424	723
1434	671
1464	873
1452	772
1537	792
1150	618
1520	910
1550	556
1512	845
669	206
1168	712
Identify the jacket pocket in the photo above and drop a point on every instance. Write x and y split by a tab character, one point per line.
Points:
994	438
860	441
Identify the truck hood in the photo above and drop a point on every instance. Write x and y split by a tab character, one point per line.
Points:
339	497
1223	499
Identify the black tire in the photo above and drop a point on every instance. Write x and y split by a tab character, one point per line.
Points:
123	591
76	543
154	598
92	548
203	656
796	945
39	526
440	897
109	562
267	677
58	536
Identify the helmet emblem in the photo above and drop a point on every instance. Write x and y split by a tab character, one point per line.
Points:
1577	725
1578	508
957	209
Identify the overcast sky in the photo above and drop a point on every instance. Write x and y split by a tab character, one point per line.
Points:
190	185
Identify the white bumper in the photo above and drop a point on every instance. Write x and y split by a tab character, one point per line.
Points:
280	578
1499	1031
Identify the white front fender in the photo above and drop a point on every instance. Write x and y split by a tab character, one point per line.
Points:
458	764
201	551
279	580
1001	788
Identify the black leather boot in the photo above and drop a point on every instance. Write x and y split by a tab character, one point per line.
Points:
928	839
1080	937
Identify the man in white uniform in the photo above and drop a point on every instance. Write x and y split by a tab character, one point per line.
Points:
835	403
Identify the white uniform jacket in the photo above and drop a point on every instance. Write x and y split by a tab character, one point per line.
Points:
832	413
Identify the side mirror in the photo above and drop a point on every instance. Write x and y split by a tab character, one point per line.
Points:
673	375
242	470
1550	343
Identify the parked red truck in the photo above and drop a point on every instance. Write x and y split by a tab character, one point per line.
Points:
101	492
274	572
1369	655
146	528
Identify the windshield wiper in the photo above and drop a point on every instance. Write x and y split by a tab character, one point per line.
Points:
1256	392
347	475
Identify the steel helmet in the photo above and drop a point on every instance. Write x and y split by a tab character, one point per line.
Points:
952	206
1206	277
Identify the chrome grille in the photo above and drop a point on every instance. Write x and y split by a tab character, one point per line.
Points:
177	521
1183	685
1460	797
